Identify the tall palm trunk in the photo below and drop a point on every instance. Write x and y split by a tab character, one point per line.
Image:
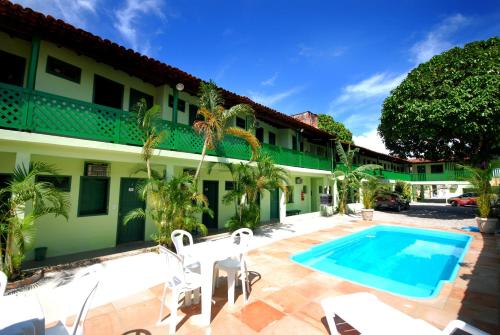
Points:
203	153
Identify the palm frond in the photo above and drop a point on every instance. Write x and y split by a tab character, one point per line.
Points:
250	138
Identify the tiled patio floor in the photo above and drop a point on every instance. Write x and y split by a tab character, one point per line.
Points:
285	297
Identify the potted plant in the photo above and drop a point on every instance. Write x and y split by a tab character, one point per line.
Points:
368	190
480	180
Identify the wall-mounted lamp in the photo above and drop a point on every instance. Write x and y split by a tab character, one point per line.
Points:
179	86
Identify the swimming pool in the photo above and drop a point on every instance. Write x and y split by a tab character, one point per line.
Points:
411	262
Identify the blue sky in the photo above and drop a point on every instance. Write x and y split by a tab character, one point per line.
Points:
335	57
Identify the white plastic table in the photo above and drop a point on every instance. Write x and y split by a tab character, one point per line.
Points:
21	315
207	254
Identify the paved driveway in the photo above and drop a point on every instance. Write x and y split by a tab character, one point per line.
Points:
439	215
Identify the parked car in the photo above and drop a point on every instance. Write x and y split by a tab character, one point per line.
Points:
466	199
392	201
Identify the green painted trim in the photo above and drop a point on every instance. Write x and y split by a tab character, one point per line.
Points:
80	193
120	199
175	107
35	52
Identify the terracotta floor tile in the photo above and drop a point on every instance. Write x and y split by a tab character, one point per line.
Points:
134	299
290	325
258	315
139	315
104	309
286	300
103	324
230	325
313	314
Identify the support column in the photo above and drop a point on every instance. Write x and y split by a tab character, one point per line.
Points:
169	171
35	51
175	107
335	194
282	206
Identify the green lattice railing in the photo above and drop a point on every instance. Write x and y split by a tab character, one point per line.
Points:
40	112
451	173
290	157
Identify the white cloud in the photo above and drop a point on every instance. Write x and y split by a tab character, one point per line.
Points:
376	85
127	21
75	12
270	81
271	99
371	140
437	40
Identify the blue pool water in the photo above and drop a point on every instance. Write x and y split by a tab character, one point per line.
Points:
407	261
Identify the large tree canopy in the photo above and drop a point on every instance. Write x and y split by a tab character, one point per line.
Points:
328	124
448	107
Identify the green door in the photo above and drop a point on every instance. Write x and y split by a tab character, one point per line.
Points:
275	204
129	200
211	191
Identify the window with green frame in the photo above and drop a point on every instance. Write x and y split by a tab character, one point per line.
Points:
63	70
94	196
181	104
136	96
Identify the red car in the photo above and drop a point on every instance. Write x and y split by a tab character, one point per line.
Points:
466	199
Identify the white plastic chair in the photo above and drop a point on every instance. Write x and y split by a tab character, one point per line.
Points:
3	283
368	315
180	280
241	238
84	287
177	237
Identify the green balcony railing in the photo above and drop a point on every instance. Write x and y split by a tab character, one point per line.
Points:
453	174
27	110
290	157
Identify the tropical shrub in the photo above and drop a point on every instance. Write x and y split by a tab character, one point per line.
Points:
480	180
251	180
26	201
348	176
369	190
171	204
404	189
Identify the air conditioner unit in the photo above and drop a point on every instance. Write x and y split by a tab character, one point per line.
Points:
96	169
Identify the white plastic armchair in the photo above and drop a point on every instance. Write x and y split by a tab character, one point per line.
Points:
233	265
182	249
3	283
177	237
84	287
180	280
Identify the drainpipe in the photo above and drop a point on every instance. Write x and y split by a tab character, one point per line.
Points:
35	51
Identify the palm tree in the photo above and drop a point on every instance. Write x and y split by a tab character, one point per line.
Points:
348	175
215	121
149	121
171	204
17	221
251	180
